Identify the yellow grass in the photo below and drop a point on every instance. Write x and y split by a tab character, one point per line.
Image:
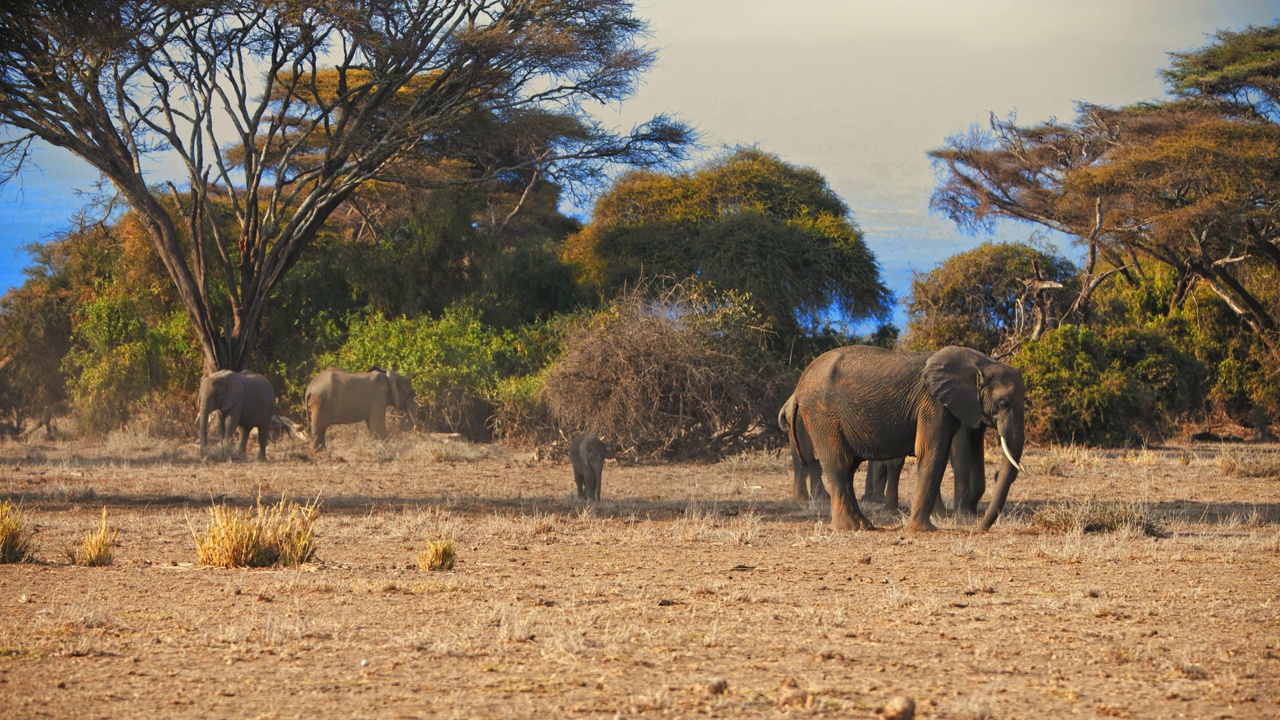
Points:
16	534
279	534
439	555
95	548
1092	516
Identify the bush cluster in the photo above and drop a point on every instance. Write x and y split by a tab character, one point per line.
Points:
678	371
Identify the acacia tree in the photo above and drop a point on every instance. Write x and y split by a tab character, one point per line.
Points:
280	109
1193	183
746	221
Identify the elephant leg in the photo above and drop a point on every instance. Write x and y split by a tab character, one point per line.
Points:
869	484
580	482
838	468
377	423
799	476
264	430
933	455
595	484
967	465
816	490
317	428
890	478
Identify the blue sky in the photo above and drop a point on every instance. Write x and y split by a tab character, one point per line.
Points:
859	90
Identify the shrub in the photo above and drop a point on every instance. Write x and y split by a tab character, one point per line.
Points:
439	555
95	548
1091	517
678	371
1121	386
17	534
452	361
278	534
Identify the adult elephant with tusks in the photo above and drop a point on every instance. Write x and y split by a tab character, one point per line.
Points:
865	403
337	397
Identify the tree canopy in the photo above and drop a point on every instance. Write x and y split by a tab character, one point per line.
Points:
985	298
280	111
746	221
1192	183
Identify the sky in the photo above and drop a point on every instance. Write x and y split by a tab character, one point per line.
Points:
860	90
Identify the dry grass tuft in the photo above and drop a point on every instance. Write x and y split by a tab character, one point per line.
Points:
1088	517
1250	463
17	534
268	535
439	555
95	549
770	461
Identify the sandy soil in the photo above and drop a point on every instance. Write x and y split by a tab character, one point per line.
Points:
691	591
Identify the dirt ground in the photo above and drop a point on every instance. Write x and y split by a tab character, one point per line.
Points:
690	591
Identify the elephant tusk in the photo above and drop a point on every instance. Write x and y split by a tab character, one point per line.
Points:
1005	448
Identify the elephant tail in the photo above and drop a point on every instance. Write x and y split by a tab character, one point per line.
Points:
792	418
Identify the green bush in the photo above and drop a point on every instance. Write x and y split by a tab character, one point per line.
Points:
1120	386
119	361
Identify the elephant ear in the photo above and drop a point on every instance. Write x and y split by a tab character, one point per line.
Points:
954	376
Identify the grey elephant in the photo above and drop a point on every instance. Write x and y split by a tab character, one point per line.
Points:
243	400
337	397
865	403
587	454
803	464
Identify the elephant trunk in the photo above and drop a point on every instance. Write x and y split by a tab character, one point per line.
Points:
1011	441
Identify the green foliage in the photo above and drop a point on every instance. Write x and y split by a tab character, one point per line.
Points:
457	363
119	358
976	298
747	222
679	371
1118	386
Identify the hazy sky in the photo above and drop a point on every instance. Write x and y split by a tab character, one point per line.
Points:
859	90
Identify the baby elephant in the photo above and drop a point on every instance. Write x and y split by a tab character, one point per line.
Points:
587	453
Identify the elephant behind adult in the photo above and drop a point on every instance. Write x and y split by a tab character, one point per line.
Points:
244	399
337	397
966	467
804	466
865	403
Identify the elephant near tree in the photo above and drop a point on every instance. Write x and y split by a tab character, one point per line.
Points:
587	454
805	469
337	397
244	400
865	403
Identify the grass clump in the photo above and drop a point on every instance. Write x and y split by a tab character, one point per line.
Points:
1092	517
262	536
17	534
95	549
1250	464
439	555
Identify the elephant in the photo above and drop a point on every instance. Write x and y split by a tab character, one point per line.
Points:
861	403
587	454
967	469
803	464
243	400
337	397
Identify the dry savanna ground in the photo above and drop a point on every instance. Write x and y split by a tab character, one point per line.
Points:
691	590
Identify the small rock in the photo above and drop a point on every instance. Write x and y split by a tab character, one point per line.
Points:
718	686
899	707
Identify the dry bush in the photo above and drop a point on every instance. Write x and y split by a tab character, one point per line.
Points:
17	534
676	371
279	534
95	548
1250	463
1089	516
439	555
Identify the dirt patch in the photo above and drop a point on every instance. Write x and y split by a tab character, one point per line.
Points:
690	590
